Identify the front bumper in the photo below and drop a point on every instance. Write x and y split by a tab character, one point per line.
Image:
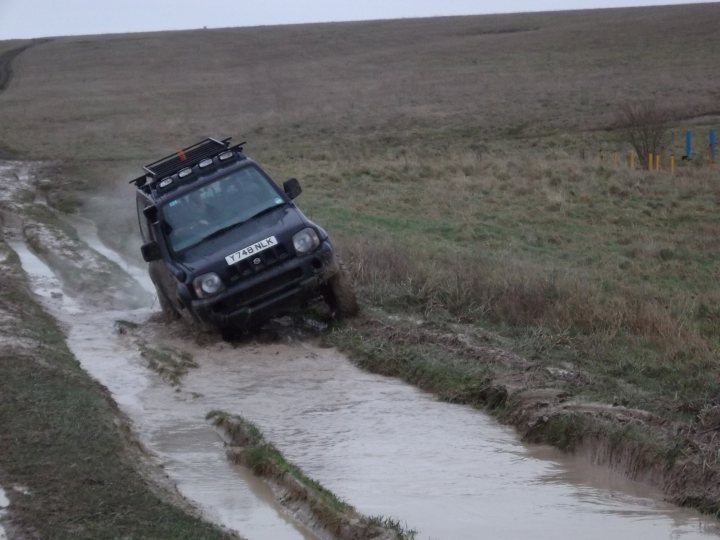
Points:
269	293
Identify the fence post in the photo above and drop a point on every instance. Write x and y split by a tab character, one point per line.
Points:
672	164
650	161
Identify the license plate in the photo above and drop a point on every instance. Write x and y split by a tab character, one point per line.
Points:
251	250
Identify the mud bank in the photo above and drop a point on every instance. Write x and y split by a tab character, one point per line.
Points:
680	459
305	498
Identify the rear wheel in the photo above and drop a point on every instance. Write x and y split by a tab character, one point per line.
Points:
340	295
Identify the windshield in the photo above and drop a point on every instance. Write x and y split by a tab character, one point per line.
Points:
218	206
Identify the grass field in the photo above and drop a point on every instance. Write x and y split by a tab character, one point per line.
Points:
456	159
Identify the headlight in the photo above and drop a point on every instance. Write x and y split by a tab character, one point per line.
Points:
208	285
305	241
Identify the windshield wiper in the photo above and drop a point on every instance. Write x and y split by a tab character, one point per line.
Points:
265	211
223	230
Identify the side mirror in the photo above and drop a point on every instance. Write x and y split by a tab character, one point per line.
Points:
151	252
151	212
292	188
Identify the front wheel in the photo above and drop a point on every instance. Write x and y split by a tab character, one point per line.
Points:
157	274
340	296
169	311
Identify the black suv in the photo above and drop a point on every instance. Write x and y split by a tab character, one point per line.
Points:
227	246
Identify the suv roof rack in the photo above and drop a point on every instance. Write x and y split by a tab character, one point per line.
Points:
183	158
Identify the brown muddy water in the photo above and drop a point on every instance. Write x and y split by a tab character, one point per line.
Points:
448	471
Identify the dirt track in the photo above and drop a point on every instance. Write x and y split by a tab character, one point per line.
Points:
6	69
7	58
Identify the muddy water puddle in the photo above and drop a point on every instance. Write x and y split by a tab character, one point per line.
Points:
448	471
188	449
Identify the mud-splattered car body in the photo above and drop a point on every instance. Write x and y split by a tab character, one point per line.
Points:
226	246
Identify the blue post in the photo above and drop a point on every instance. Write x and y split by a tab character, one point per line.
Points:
712	145
688	144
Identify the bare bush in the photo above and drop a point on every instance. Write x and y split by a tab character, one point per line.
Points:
646	128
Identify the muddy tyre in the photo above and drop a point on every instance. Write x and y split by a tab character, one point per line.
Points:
168	310
160	276
340	295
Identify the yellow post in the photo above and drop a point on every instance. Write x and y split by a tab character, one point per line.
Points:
631	157
650	161
616	159
672	164
657	162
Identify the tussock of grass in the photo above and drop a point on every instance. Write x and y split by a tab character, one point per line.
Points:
249	448
170	364
265	460
124	326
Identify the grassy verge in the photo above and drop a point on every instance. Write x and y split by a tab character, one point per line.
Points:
63	439
249	448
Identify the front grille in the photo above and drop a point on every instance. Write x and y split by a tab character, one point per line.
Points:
257	292
268	258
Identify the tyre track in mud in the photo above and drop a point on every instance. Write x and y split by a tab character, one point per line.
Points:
6	71
7	58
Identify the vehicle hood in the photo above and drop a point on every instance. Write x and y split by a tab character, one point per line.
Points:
209	255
